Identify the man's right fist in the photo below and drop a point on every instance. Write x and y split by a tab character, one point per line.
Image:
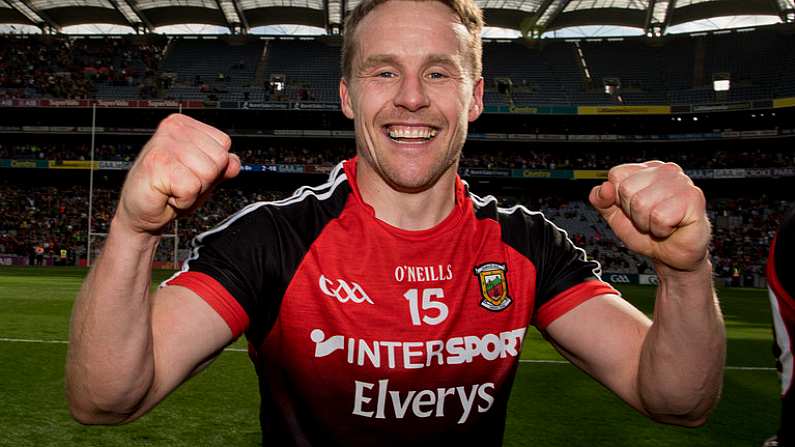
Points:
174	172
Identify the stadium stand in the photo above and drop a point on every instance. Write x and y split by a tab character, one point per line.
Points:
59	67
309	68
678	70
530	76
55	218
715	156
225	74
225	68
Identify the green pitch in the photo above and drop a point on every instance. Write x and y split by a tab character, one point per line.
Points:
553	403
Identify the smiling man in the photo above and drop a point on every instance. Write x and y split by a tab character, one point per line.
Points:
389	305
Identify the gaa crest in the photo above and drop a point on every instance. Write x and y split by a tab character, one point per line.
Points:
493	286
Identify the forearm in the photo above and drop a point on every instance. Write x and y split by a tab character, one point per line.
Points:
110	364
682	359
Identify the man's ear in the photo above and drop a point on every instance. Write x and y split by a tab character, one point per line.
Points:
476	106
345	99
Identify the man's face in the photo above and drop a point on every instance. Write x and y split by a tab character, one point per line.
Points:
411	94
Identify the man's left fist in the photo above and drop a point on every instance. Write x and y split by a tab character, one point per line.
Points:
657	211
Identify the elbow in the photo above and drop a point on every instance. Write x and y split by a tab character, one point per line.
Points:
84	415
692	410
686	414
88	414
93	400
687	420
91	411
694	421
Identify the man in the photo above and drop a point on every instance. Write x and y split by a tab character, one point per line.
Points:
781	285
389	305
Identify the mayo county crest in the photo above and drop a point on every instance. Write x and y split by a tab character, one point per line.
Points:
493	286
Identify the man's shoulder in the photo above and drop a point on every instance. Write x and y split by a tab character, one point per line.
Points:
328	197
515	217
308	206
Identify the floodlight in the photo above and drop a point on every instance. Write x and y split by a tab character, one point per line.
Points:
721	85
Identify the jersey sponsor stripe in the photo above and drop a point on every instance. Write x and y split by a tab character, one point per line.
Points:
526	361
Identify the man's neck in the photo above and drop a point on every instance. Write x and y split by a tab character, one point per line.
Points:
407	211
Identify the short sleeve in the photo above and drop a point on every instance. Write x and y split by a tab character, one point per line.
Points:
565	278
229	266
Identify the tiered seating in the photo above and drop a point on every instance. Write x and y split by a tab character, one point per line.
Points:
538	76
59	67
760	63
785	84
227	67
635	65
311	65
753	59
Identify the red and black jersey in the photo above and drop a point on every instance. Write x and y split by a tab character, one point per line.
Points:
365	334
781	285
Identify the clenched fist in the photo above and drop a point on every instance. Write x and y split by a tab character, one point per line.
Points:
174	173
657	211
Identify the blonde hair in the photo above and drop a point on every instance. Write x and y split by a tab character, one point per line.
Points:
468	12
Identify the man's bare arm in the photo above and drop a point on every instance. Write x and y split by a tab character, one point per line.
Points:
128	349
671	369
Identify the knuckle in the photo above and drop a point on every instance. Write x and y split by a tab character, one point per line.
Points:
613	173
673	166
658	216
698	196
699	193
639	204
170	121
185	183
225	140
207	172
624	191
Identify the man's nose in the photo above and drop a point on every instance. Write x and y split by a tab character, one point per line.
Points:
412	94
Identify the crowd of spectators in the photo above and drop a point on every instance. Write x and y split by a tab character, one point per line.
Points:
516	157
50	219
39	222
69	151
63	67
742	231
590	157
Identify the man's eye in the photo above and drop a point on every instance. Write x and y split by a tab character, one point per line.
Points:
386	74
437	75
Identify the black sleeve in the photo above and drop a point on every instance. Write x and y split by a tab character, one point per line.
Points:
559	264
255	253
244	254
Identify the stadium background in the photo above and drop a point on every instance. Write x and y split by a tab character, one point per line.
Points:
76	109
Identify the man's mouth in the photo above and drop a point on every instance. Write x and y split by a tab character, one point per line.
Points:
410	134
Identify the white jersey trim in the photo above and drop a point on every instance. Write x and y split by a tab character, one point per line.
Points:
783	340
321	192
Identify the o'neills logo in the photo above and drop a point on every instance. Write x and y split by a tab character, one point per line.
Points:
493	286
423	273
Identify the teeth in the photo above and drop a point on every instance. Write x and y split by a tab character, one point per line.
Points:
412	132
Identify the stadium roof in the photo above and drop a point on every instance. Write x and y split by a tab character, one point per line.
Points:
532	17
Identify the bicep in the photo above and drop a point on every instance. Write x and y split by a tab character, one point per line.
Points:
187	334
604	337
